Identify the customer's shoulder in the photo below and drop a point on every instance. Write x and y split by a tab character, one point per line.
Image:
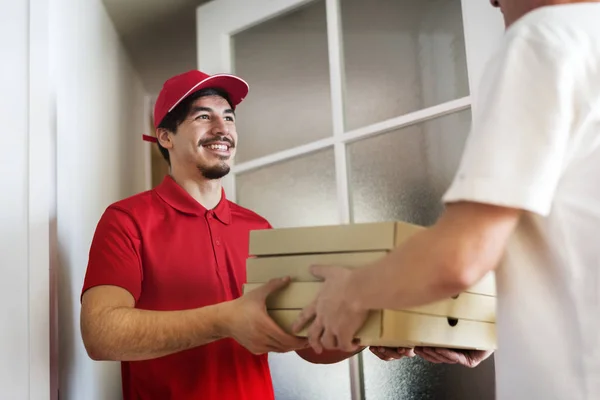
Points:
558	27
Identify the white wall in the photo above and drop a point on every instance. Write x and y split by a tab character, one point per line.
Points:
14	202
72	110
100	159
25	161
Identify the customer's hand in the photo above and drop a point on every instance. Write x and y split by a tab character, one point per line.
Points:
392	353
246	320
467	358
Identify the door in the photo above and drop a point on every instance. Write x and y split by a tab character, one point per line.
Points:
355	114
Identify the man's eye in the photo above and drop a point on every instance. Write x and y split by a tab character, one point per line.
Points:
229	119
202	116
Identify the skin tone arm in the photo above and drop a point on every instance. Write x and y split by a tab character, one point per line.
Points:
112	329
467	242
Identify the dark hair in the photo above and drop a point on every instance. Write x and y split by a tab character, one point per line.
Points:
174	118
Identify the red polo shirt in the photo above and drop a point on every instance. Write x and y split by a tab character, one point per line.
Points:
171	253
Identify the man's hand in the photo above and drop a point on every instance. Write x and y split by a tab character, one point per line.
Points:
335	317
467	358
392	353
247	321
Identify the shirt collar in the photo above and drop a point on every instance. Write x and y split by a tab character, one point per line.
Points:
178	198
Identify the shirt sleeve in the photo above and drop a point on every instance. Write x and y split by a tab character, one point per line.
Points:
114	257
515	154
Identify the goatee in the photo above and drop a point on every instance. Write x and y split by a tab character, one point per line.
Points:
214	172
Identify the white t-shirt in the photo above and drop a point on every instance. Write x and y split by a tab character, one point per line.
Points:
535	145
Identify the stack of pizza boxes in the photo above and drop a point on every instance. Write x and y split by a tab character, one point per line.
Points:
465	321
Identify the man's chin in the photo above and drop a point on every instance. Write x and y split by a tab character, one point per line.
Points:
215	172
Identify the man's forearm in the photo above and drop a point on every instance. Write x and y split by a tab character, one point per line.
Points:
416	274
129	334
439	262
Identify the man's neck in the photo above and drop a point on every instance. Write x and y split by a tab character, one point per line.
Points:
207	192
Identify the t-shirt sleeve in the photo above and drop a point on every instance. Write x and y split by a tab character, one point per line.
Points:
515	154
114	257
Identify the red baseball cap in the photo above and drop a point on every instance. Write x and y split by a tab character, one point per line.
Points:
177	88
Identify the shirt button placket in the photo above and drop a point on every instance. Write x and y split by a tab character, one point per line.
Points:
216	240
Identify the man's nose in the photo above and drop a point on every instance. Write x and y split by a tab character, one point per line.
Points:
219	126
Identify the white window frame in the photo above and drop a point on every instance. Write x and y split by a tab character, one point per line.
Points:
482	27
258	11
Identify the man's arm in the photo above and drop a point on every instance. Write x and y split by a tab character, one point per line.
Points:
435	264
467	242
112	329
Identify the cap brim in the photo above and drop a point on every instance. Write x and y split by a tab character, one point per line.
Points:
236	88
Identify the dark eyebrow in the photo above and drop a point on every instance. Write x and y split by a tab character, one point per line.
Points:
196	110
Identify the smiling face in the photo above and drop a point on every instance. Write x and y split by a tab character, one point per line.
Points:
204	139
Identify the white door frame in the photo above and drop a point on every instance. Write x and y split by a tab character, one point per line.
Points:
42	185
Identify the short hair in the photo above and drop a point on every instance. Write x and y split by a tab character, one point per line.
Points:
175	117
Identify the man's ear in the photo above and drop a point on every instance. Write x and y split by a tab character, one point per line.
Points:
164	138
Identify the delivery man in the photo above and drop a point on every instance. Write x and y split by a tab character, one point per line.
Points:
525	202
163	286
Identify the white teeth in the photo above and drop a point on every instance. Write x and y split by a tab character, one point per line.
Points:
218	147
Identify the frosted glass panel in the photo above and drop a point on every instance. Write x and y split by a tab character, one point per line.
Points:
297	192
296	379
417	379
401	56
285	62
402	175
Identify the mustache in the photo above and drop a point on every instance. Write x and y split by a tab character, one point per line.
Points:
204	142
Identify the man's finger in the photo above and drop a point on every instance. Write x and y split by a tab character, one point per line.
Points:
329	340
375	351
280	338
286	342
406	352
452	355
305	316
425	356
347	343
390	353
314	336
431	354
320	271
433	351
272	286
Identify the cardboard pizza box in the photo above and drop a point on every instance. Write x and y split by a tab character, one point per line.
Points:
467	306
297	267
408	329
376	236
